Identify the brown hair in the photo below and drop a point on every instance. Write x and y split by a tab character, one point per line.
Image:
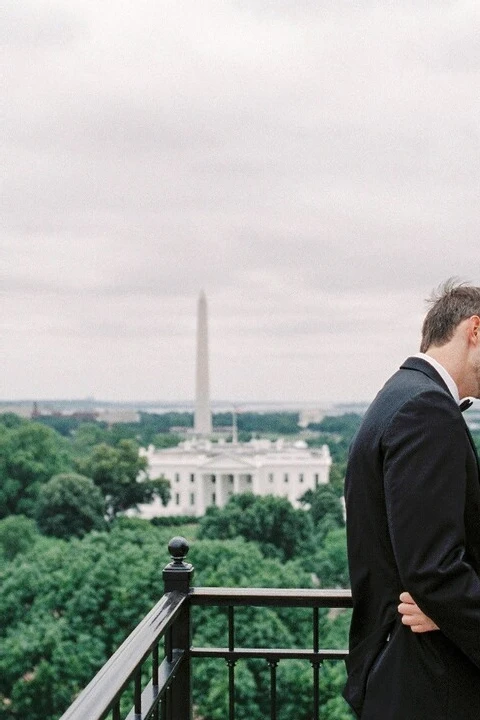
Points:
450	304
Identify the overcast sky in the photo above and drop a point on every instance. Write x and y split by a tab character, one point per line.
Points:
312	165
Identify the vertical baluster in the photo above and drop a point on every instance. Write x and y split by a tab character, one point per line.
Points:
316	690
231	689
138	693
116	710
166	703
168	698
316	667
163	708
155	715
231	664
155	668
273	688
169	644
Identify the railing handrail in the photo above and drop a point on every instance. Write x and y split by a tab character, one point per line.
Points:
99	695
276	597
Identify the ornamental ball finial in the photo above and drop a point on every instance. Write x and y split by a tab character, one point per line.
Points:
178	548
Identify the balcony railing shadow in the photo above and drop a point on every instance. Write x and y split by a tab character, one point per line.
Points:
163	642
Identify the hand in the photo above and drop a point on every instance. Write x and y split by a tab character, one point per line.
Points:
413	616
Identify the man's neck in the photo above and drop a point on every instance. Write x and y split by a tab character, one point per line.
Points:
448	358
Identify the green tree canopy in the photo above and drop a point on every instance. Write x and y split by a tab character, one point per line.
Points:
11	420
30	454
67	606
345	425
277	423
70	504
270	521
326	509
17	535
330	560
166	440
117	472
86	436
65	609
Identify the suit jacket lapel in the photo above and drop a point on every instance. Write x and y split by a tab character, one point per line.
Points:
474	449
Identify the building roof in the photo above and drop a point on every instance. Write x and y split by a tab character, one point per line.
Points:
242	455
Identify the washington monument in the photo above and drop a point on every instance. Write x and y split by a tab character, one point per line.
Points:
203	415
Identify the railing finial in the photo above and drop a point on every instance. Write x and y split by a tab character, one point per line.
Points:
178	548
178	574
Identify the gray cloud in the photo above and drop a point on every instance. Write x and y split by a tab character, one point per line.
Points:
314	166
28	25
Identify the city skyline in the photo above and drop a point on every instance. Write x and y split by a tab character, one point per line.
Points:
315	167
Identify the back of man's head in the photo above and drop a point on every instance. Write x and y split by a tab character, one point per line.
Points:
450	304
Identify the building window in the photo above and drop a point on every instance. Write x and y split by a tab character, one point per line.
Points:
249	478
285	477
177	477
214	499
270	477
177	498
300	477
231	479
316	479
192	477
214	479
192	498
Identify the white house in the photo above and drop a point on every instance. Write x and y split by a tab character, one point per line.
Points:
203	473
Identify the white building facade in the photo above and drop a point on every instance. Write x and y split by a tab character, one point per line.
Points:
202	473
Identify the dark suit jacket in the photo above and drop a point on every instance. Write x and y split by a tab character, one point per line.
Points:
413	523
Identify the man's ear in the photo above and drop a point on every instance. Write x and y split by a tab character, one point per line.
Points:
474	329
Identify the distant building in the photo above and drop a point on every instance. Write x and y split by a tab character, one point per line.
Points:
83	415
202	473
23	410
310	415
117	415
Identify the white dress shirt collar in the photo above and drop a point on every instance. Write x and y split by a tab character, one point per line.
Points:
444	374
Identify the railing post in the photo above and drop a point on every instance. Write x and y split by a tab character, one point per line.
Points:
177	576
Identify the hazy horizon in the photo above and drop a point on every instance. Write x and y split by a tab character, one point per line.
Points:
238	405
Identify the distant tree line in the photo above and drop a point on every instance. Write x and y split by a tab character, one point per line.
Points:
168	429
152	425
276	423
144	432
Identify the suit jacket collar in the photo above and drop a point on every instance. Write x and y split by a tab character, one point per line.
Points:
415	363
420	365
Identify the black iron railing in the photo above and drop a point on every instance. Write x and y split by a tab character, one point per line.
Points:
166	633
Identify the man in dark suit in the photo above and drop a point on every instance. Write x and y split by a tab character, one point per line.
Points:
412	494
